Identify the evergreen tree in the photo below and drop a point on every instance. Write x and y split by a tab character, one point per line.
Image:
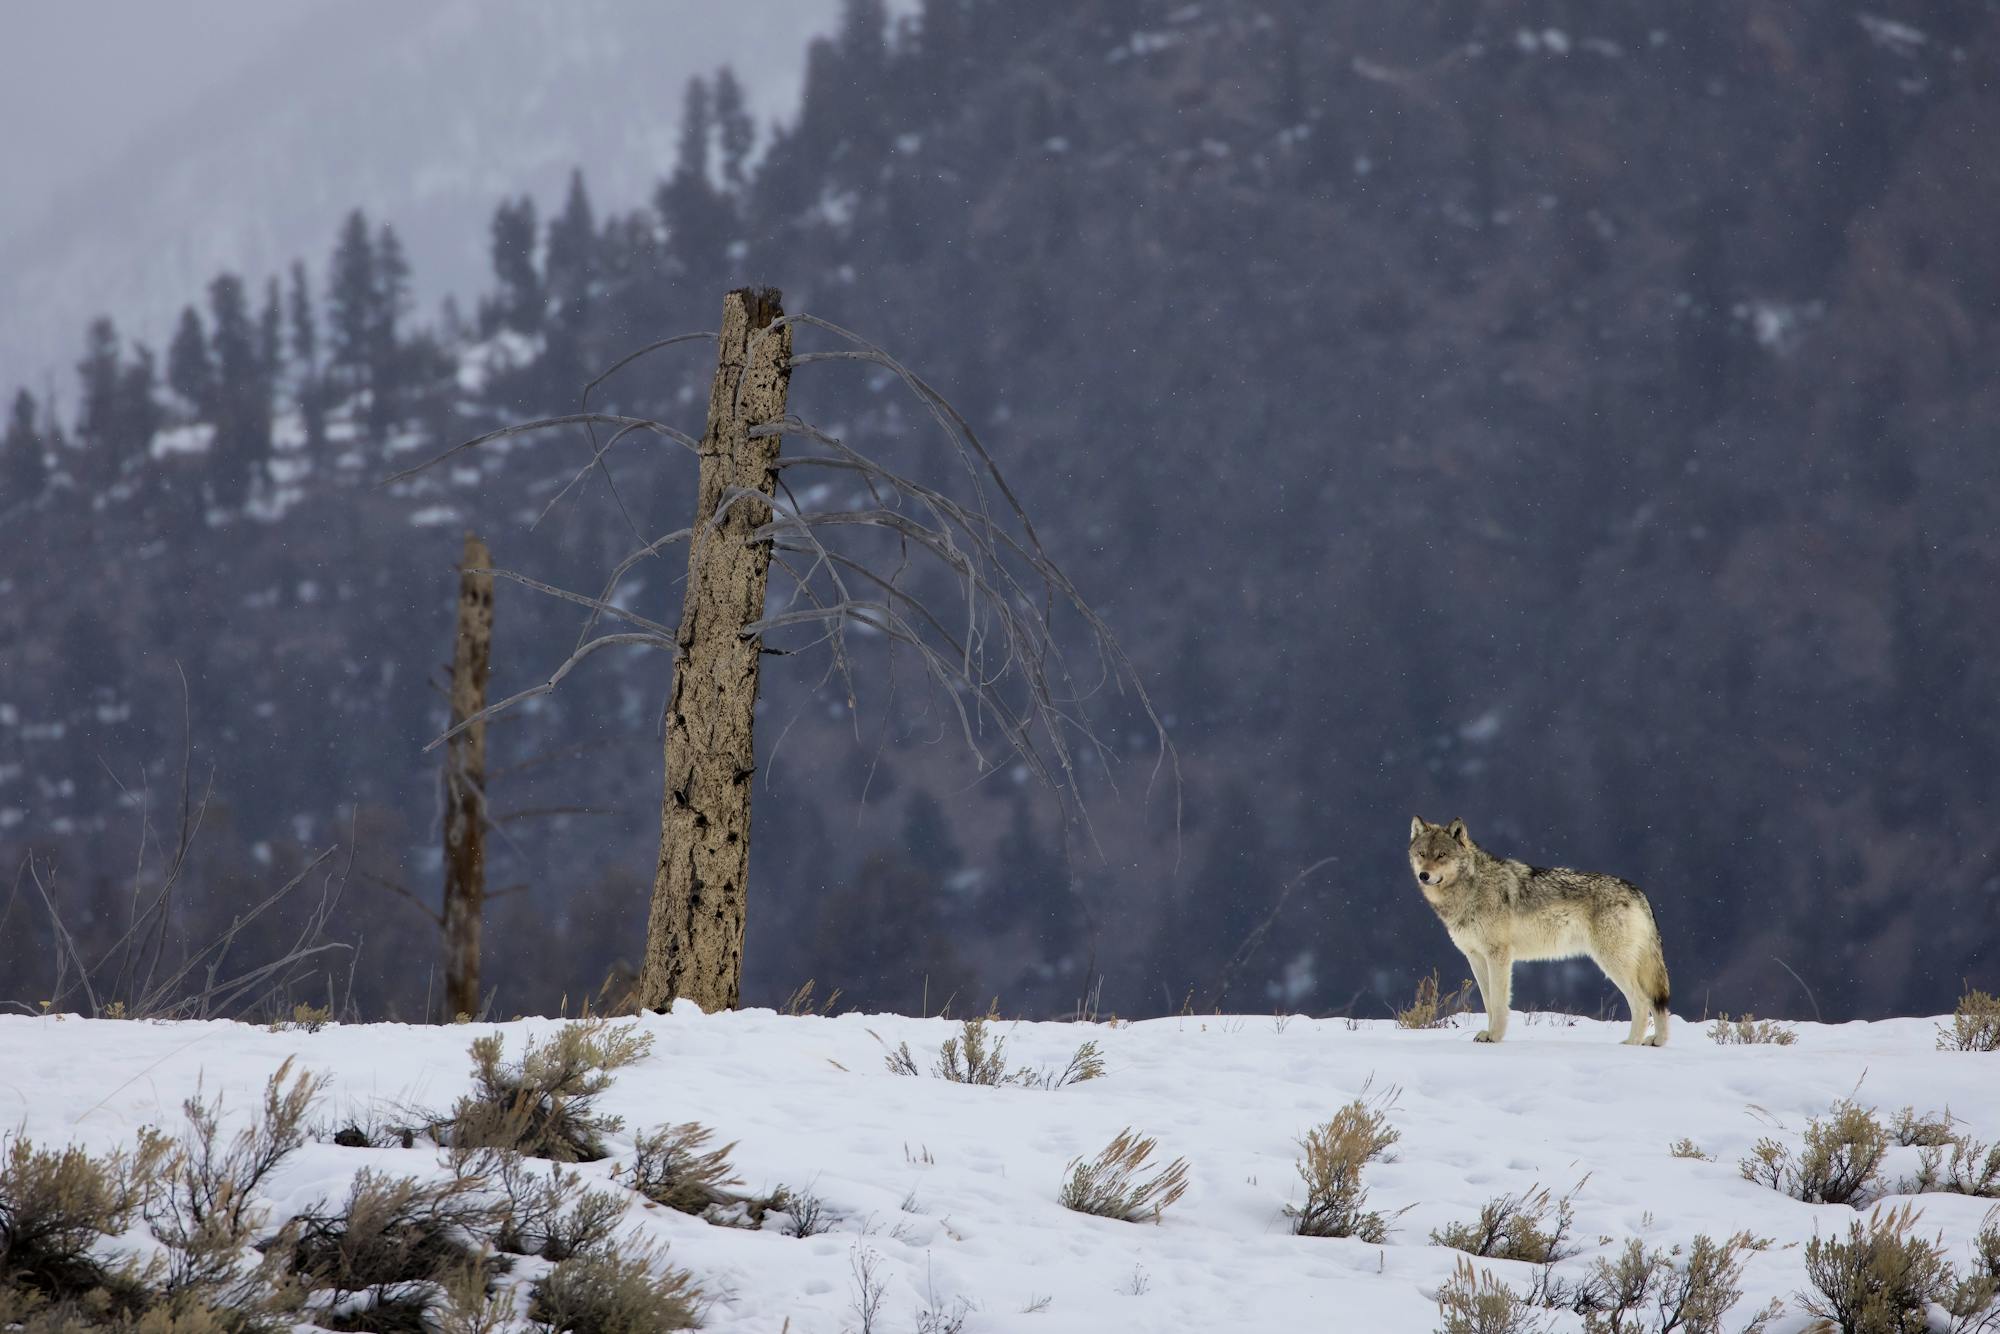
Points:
795	166
138	404
97	410
861	104
305	352
927	837
243	396
572	255
572	267
697	217
697	131
190	371
305	327
864	27
271	334
392	302
351	300
521	302
881	931
24	469
735	132
1032	888
1230	895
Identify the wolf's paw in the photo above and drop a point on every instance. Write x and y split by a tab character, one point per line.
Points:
1484	1035
1634	1042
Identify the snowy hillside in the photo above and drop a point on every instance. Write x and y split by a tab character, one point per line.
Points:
947	1193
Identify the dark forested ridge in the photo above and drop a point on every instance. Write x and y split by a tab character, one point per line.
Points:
1575	418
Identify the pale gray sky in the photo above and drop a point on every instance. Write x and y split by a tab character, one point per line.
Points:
80	81
147	144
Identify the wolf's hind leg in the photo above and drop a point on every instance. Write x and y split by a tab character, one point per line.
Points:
1653	985
1641	1011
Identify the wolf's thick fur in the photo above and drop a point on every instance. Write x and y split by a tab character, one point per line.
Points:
1498	911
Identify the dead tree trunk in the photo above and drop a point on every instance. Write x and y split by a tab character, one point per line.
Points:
465	784
694	940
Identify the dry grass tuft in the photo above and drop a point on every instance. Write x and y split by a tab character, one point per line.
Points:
542	1105
305	1019
675	1167
1532	1226
1429	1009
626	1291
1923	1131
1752	1031
801	1002
1086	1064
1975	1025
1687	1148
1972	1169
975	1057
1336	1202
1116	1183
1475	1302
1840	1162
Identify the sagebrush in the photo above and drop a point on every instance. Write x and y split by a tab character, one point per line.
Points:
1838	1164
1532	1226
543	1104
1883	1279
616	1291
1430	1009
1752	1031
1975	1024
675	1167
1120	1182
1330	1165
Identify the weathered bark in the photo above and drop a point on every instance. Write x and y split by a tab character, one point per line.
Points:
694	941
465	784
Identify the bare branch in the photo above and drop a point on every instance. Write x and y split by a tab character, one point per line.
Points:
1254	941
647	350
415	901
522	428
595	604
555	679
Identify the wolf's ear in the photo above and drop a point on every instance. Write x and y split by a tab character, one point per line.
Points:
1457	831
1416	827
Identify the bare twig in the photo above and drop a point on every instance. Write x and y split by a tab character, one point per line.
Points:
555	679
1254	941
541	424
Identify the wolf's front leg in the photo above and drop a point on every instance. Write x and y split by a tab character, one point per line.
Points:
1496	988
1481	973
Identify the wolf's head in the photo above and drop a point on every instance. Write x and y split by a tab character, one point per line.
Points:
1439	854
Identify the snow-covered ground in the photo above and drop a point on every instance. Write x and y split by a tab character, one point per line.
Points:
952	1188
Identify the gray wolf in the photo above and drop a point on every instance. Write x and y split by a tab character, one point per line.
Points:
1497	911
